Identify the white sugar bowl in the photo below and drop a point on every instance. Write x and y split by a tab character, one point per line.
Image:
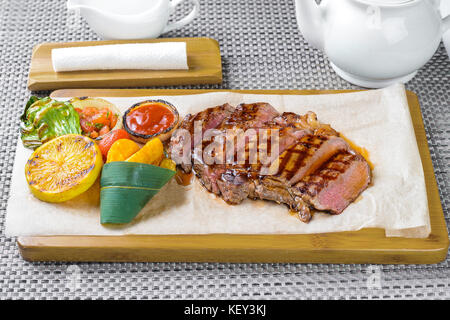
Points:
131	19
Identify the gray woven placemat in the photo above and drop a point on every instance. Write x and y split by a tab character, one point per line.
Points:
261	49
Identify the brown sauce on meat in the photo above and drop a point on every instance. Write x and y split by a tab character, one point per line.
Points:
293	212
183	178
362	151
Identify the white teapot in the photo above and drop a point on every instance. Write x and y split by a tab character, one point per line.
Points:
373	43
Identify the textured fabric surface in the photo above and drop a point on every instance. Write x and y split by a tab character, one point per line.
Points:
261	49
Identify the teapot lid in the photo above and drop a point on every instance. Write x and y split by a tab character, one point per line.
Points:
387	2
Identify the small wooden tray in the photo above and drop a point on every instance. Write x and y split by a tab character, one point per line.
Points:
364	246
205	67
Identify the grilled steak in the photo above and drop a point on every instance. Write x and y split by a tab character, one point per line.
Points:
311	169
245	116
273	189
307	155
235	181
208	119
308	121
336	184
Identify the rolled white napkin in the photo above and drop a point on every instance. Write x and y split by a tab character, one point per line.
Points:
151	56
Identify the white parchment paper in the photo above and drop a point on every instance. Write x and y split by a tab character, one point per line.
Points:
378	120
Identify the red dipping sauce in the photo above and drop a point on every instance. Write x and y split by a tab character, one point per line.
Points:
150	119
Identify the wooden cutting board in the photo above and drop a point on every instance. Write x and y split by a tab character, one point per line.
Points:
364	246
203	54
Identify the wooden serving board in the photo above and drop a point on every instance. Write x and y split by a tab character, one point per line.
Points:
364	246
203	54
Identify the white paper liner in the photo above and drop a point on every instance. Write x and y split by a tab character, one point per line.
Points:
378	120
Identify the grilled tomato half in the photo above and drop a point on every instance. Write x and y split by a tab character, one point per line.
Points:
63	168
97	116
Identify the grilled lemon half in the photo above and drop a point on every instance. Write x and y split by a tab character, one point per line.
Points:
63	168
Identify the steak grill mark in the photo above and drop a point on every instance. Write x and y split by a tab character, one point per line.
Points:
314	164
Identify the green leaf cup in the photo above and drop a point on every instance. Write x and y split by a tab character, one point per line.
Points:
126	187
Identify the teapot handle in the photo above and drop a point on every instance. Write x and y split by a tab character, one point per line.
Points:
443	8
181	23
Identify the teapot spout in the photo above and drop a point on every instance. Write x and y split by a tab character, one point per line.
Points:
310	19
